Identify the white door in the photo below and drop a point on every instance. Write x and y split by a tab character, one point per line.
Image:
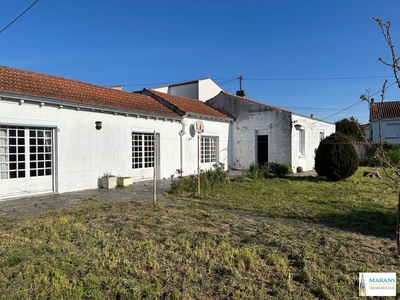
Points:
26	160
142	155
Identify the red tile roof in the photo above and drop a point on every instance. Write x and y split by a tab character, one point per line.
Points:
60	88
187	105
385	110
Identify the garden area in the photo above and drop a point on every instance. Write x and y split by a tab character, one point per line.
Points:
243	238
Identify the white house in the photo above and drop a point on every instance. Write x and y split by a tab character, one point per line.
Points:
259	132
385	120
262	133
60	135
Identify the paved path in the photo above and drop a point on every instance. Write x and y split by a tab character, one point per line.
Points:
138	191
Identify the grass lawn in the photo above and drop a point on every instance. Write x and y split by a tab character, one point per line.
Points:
279	239
357	203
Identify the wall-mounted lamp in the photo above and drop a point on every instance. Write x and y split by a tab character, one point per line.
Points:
98	125
297	126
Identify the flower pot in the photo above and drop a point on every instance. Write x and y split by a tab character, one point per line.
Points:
109	182
124	181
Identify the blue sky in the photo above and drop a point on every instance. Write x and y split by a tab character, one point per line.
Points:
290	53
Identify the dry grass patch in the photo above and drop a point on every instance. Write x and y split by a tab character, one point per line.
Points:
133	251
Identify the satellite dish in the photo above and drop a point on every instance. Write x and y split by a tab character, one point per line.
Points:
199	126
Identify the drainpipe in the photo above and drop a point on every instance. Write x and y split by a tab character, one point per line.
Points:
181	134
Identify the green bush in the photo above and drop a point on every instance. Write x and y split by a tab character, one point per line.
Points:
209	180
254	171
336	157
280	169
266	170
392	152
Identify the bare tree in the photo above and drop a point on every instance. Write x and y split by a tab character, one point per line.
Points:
390	169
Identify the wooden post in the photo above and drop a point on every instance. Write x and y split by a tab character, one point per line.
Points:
198	165
155	169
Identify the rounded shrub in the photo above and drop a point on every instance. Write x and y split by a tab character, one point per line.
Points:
336	157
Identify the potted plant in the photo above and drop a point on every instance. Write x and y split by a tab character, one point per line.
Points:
109	181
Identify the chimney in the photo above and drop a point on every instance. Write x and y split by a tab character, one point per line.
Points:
241	93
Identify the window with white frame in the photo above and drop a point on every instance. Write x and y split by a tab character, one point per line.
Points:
25	152
209	149
302	141
142	150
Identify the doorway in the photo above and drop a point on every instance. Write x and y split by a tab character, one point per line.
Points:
262	149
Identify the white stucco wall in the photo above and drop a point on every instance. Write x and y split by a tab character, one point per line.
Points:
83	154
189	142
208	89
312	129
202	89
189	90
275	124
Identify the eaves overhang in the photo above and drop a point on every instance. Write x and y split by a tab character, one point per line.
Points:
207	117
64	104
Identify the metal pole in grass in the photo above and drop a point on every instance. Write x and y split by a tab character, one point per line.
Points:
198	164
154	169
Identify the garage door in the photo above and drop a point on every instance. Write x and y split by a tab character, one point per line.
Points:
26	161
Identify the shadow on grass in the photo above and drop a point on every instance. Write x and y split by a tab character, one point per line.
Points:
306	178
378	221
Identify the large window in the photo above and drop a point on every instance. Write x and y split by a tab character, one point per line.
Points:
302	141
25	152
142	150
209	149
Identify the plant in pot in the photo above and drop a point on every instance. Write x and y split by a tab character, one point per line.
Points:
109	181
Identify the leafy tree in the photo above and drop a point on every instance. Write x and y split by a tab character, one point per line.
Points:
336	157
350	128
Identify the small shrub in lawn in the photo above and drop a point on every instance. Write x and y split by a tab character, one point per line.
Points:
209	180
266	170
336	157
280	169
254	171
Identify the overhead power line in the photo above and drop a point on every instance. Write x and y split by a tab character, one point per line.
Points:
19	16
313	78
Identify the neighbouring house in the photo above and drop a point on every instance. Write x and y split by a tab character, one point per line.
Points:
200	89
264	133
385	121
61	135
260	132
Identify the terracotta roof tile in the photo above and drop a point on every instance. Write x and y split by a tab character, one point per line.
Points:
385	110
60	88
187	105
